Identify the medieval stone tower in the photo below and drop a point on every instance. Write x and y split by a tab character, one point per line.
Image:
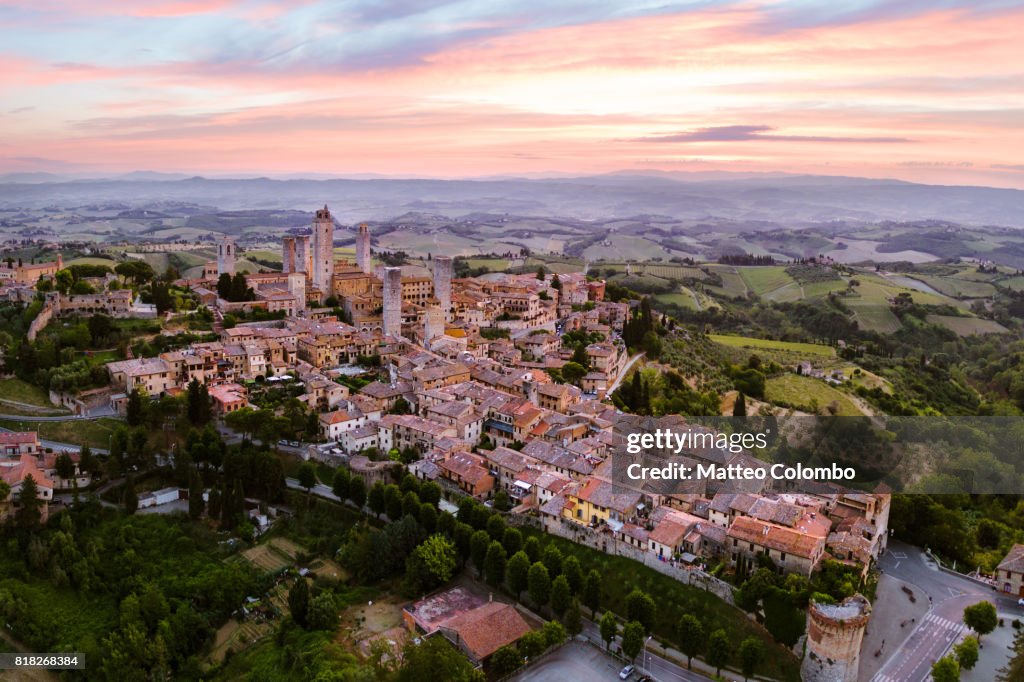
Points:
834	635
297	288
288	255
226	256
443	285
323	250
363	249
433	323
393	301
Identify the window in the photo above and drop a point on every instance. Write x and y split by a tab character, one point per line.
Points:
782	556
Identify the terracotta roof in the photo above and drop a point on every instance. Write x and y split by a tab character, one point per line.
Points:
746	529
485	629
18	438
1014	560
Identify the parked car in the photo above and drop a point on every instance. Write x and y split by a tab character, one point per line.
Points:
626	672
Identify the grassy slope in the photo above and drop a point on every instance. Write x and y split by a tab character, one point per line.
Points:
754	344
800	391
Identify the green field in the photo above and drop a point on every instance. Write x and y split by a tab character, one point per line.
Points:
683	299
766	279
967	326
805	393
1015	283
957	287
873	316
732	282
492	264
91	260
767	344
24	392
674	271
94	433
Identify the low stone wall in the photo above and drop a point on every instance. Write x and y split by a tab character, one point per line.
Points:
42	319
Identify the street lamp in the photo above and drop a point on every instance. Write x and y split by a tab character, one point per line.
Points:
647	657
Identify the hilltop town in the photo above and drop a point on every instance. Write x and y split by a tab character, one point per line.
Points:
494	388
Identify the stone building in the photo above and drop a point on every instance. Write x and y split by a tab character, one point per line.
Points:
834	636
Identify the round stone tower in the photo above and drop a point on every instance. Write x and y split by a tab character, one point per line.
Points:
834	636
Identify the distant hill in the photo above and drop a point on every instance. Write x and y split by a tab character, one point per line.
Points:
788	200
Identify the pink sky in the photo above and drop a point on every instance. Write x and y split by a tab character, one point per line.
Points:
244	87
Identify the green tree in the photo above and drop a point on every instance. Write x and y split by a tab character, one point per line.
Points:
512	540
751	655
298	601
573	619
134	409
375	499
494	563
435	659
641	608
967	653
719	650
690	637
560	596
65	466
539	585
739	408
5	491
632	639
517	573
339	484
552	560
592	591
323	612
307	476
357	492
28	516
129	497
478	546
506	661
981	618
609	628
197	403
554	633
502	502
573	574
946	669
572	372
196	505
432	563
532	548
496	527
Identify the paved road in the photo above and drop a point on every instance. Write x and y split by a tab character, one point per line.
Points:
661	669
51	418
623	373
947	595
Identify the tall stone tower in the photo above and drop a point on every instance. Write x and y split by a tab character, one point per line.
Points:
393	301
363	249
303	254
323	250
226	256
297	288
288	255
433	323
443	284
834	636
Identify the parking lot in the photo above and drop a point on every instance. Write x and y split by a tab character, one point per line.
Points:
574	661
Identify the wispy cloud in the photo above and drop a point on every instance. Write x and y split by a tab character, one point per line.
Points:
742	133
